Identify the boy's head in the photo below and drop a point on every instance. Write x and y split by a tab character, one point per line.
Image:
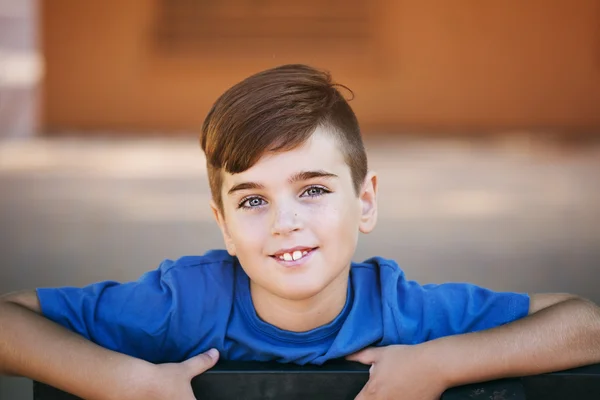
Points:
288	173
273	111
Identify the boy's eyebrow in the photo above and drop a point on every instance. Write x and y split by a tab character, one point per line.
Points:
245	186
306	175
297	177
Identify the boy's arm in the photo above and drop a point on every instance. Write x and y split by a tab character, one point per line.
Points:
35	347
561	331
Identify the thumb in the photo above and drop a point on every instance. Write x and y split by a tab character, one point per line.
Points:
202	362
366	356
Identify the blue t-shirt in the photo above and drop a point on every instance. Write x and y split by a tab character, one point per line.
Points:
187	306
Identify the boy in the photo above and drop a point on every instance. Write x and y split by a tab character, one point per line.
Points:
290	192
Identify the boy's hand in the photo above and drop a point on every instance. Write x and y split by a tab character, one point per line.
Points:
173	381
400	372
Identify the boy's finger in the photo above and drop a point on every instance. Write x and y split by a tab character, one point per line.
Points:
363	394
367	356
202	362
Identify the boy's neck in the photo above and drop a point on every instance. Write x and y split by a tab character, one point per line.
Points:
303	315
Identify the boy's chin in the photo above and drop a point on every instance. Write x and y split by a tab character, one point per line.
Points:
302	294
301	291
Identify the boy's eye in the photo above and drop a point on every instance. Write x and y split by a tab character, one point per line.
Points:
251	202
315	191
255	202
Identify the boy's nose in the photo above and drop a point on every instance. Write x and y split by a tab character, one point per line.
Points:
285	221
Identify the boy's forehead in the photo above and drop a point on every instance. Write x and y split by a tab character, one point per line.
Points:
320	152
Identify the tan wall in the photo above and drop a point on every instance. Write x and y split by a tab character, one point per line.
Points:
424	65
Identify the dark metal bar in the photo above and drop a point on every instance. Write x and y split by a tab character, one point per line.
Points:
343	380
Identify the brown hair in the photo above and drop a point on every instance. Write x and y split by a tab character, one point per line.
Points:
278	110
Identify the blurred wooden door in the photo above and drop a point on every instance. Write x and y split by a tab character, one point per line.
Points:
415	65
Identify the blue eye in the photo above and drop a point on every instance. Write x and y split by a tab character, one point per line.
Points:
315	191
254	202
251	202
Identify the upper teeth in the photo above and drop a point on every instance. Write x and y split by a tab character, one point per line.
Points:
296	255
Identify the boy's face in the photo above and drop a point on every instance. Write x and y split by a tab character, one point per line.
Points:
293	218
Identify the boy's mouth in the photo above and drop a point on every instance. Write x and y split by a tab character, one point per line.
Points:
294	254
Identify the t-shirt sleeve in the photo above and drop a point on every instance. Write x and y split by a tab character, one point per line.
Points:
131	318
437	310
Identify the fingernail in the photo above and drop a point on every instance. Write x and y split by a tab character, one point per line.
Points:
213	353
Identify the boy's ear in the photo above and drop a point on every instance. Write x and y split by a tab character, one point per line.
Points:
368	200
219	217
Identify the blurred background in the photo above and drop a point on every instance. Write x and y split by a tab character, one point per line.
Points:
482	119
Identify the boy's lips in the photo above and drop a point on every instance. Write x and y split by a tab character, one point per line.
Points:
291	250
294	255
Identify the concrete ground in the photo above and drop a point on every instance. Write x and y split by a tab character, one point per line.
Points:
510	215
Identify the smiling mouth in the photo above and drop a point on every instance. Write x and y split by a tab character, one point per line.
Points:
293	255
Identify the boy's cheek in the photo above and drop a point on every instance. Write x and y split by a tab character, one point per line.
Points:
340	216
248	236
247	221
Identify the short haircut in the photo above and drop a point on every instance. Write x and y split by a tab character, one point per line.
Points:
274	111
